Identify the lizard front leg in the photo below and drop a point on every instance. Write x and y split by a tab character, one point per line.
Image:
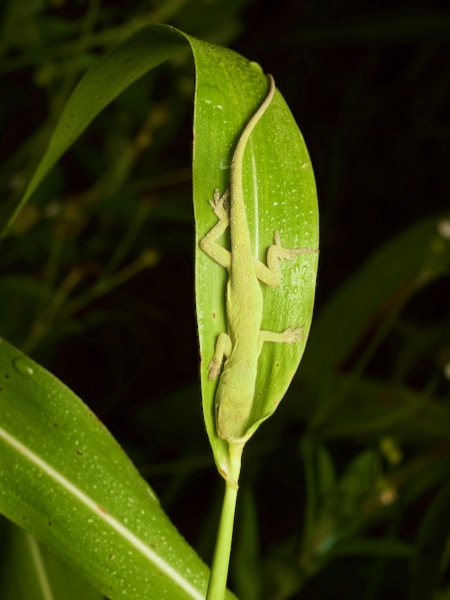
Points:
208	243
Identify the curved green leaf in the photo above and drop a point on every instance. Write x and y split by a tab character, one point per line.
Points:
280	195
65	479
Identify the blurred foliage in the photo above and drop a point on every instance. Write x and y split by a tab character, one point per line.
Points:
344	493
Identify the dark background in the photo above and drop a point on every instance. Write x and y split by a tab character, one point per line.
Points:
368	84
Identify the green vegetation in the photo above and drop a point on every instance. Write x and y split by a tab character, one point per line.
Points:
344	492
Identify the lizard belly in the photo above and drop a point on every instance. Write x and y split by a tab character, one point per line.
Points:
234	401
236	389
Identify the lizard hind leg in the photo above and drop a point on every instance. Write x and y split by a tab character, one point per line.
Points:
278	251
288	336
222	350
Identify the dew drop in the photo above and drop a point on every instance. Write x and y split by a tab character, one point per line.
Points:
23	366
444	228
447	370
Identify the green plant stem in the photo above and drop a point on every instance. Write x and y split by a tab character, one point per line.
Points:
221	559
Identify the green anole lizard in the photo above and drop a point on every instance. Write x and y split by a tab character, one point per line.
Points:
242	344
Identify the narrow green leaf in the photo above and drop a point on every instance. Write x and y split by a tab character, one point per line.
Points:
383	547
105	80
431	547
65	479
246	558
389	409
320	482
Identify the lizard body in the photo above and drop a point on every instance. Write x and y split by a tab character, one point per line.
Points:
242	344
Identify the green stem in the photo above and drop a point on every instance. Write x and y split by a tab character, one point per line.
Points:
221	559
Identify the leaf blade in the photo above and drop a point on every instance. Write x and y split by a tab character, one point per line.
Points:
78	492
272	171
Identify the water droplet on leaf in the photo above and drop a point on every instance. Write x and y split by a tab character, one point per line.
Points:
23	366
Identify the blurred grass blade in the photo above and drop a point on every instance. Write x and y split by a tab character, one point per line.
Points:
103	82
388	278
320	482
383	547
431	552
246	563
29	570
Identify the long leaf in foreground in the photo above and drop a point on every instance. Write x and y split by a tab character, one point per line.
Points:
65	479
